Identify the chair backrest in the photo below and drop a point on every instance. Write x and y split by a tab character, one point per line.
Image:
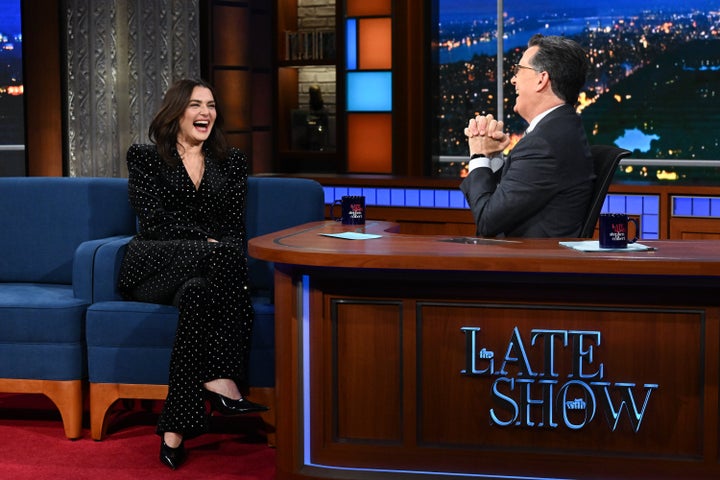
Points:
276	203
44	219
605	161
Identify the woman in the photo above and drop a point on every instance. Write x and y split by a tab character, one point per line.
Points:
188	190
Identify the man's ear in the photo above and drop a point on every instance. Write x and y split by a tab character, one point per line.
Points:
543	81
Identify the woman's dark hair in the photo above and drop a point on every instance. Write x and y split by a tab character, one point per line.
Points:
566	63
164	128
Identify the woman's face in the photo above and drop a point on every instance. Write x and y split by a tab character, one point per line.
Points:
198	119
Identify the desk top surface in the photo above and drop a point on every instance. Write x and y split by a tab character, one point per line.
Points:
309	245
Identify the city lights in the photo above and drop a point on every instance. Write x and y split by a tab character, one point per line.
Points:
654	70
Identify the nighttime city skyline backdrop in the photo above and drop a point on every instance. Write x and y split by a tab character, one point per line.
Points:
653	88
12	109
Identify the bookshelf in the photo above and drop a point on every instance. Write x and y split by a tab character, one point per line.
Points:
307	127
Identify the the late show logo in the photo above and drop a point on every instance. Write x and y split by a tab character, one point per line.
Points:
356	210
527	395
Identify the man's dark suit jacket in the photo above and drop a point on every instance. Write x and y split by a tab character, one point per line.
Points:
544	187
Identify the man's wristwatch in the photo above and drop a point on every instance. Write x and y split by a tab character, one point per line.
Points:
476	155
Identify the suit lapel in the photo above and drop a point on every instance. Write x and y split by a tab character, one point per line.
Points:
214	176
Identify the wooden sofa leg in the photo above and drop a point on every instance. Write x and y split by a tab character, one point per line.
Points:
68	397
102	396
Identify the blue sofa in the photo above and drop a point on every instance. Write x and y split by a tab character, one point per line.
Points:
129	343
51	230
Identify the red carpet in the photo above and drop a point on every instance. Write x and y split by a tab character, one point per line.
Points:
33	447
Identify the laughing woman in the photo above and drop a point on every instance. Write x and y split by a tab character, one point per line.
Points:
188	189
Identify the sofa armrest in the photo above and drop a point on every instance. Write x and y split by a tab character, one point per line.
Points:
107	269
83	266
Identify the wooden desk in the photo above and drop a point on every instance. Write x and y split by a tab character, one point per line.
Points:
408	354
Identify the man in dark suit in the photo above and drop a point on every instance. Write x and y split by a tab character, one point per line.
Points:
543	187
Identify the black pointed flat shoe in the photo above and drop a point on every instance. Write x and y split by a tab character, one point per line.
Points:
228	406
172	457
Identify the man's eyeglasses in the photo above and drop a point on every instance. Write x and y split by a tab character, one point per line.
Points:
516	68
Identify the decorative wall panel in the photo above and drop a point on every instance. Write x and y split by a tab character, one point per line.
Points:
121	58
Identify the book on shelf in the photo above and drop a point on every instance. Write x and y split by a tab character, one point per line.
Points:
310	45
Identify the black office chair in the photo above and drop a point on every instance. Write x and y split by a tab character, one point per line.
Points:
605	161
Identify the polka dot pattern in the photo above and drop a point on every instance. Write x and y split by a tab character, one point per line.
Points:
171	261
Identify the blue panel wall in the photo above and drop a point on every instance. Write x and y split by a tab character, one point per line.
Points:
646	207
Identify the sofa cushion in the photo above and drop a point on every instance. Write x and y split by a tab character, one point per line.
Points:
46	361
41	332
40	313
131	342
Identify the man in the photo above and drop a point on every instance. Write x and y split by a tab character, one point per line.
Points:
543	188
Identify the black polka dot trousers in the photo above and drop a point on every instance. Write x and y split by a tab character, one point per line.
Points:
208	282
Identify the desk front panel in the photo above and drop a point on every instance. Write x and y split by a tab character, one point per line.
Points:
472	374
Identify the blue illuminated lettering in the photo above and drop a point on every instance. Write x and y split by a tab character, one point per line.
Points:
516	345
536	398
471	358
627	400
549	336
581	354
574	405
506	400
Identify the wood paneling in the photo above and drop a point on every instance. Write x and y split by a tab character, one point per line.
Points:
243	141
413	111
581	362
239	40
365	365
359	8
228	24
44	104
370	142
234	87
312	246
686	228
461	415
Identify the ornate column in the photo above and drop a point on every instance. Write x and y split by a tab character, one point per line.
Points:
121	58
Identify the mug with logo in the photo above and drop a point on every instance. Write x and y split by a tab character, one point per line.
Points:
614	230
352	210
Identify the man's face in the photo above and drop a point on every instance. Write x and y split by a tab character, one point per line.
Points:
525	82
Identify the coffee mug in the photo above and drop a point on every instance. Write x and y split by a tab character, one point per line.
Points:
352	210
614	230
